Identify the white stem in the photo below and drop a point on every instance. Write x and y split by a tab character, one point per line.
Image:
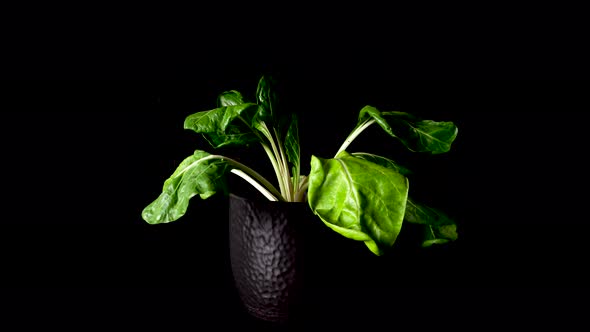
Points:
286	173
280	177
353	135
254	183
274	163
302	190
247	169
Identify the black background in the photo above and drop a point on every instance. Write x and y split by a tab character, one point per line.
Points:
88	141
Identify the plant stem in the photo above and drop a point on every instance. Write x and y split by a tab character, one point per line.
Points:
296	179
245	169
359	129
255	175
302	189
273	161
431	231
281	176
255	184
286	172
269	153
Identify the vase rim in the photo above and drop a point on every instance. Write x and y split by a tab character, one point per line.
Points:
242	198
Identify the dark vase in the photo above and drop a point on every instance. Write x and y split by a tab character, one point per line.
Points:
266	251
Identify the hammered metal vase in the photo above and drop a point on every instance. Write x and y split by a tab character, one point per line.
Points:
266	252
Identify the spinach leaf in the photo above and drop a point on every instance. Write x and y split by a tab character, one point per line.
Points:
439	228
266	97
198	174
232	136
225	125
230	98
421	214
359	199
439	234
416	134
270	110
379	160
215	120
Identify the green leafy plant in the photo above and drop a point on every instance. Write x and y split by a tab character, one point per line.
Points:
360	195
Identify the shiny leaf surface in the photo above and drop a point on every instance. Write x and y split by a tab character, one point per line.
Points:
359	199
416	134
379	160
225	125
195	175
439	228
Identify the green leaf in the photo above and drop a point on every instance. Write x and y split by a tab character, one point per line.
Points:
258	120
428	243
206	121
379	160
266	97
196	175
232	137
359	199
416	134
225	125
439	228
369	112
417	213
218	119
440	234
230	98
